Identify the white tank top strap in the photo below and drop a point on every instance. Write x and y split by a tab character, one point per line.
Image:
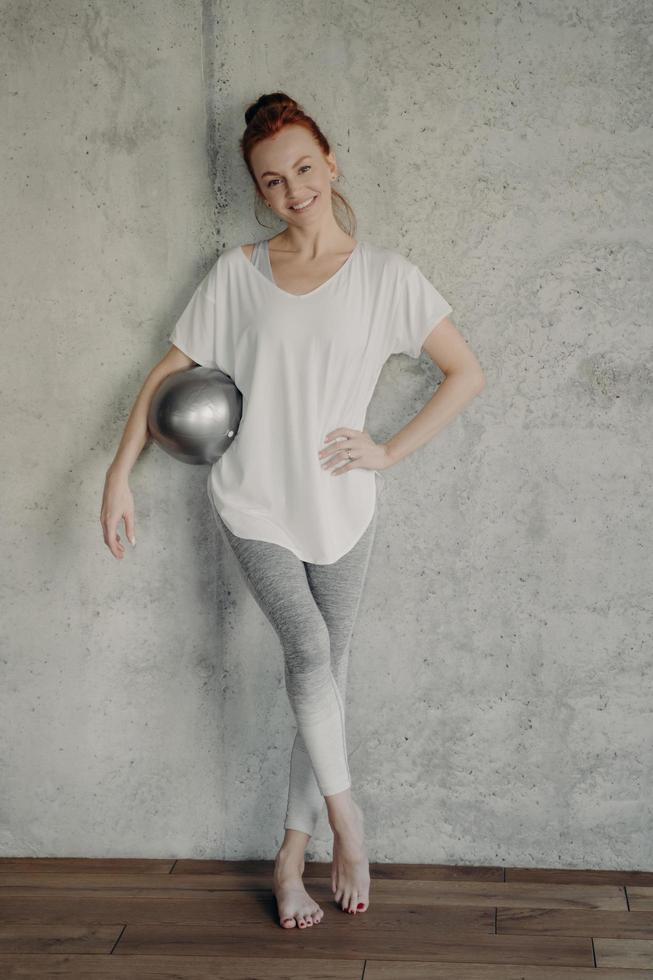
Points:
261	259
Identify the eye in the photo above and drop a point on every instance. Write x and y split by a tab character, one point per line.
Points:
305	166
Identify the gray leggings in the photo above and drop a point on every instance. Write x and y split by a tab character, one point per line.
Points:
312	609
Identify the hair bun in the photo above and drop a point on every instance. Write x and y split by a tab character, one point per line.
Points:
263	101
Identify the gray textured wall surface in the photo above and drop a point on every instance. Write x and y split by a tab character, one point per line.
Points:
499	708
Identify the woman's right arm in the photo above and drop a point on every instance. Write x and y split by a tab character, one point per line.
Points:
117	500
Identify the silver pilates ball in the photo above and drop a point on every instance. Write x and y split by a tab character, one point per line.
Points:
194	414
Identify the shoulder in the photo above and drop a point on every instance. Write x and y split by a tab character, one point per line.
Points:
386	261
211	282
230	255
226	264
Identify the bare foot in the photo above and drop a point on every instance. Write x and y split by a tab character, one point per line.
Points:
294	904
350	871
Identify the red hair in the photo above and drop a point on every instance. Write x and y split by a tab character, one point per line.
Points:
266	117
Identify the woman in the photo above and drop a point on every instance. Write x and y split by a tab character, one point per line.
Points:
303	324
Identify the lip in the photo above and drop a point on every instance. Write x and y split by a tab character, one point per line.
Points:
307	208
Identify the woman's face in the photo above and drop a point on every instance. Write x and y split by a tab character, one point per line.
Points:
291	169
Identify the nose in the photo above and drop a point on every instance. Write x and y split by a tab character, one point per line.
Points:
291	193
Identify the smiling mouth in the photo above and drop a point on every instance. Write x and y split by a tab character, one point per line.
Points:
305	205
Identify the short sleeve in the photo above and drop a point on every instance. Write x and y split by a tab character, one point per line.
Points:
196	330
418	308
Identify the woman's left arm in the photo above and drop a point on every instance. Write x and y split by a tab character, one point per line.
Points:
464	380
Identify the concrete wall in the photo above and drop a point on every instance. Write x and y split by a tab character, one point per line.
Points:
500	686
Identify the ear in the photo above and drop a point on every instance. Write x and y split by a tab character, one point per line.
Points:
332	165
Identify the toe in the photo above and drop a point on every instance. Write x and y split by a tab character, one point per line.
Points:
288	922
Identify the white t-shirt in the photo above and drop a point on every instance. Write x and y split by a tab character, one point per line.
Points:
305	365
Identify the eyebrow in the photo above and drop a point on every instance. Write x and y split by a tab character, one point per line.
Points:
273	173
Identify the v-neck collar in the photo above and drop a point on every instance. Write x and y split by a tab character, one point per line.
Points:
312	292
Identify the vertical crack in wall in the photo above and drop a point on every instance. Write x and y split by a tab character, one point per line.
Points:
208	40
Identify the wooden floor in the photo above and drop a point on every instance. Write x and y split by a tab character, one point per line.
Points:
158	920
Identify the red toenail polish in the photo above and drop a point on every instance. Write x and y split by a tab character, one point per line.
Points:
361	905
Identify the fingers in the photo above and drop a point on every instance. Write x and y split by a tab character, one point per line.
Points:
349	465
117	503
331	455
111	536
130	530
330	464
352	441
342	431
337	437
